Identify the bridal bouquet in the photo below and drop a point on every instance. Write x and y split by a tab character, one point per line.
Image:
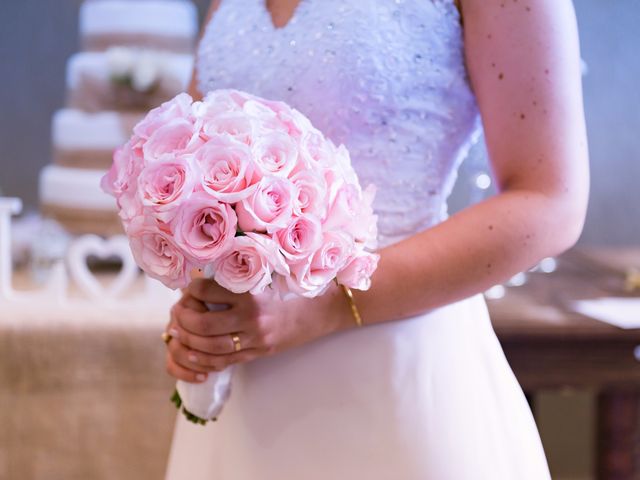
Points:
249	192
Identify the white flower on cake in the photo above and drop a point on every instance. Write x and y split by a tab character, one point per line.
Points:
120	61
140	69
146	71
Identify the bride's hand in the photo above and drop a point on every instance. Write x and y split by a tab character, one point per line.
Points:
203	340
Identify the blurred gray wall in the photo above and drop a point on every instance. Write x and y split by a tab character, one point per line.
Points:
37	36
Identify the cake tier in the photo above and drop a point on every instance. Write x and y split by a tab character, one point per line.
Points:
87	140
163	24
74	198
82	222
125	79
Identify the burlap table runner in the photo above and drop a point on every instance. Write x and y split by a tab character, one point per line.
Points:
83	393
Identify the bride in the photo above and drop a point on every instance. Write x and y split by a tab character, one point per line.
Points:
422	390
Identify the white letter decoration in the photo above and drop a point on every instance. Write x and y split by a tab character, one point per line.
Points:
80	251
55	292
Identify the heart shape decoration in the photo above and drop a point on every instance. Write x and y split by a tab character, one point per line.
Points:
91	245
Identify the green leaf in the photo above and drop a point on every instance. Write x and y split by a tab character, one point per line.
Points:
177	401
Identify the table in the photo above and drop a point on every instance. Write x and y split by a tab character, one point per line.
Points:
87	398
83	392
550	347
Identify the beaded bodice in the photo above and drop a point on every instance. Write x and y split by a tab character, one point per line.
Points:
385	77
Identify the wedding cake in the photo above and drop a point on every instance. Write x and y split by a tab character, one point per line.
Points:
136	55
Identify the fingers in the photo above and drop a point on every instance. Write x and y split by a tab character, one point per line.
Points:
186	358
193	303
187	361
220	362
181	373
207	324
214	345
208	291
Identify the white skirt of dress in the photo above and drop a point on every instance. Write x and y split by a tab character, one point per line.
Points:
429	397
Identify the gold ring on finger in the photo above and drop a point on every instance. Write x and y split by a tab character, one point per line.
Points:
166	337
236	342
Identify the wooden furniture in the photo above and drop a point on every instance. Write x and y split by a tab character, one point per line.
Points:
550	347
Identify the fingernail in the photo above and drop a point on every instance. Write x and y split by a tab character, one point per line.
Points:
201	377
173	332
193	358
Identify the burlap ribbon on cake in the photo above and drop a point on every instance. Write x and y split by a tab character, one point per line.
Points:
80	221
171	43
96	158
94	93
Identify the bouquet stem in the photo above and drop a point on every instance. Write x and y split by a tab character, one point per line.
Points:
177	401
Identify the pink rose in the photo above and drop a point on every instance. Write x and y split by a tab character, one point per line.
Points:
240	97
268	208
176	137
352	210
344	205
259	110
234	124
300	238
215	103
315	150
120	181
248	267
164	185
357	273
204	228
228	171
124	169
310	193
275	153
311	278
266	119
129	205
177	108
221	101
342	165
157	255
287	119
365	227
296	123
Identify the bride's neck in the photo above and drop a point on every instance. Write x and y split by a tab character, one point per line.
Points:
281	11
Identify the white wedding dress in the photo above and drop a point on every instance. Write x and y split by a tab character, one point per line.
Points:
427	398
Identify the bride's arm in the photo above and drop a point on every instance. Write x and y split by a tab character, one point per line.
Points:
524	63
